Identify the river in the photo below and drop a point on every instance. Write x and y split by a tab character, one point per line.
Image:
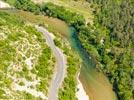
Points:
95	83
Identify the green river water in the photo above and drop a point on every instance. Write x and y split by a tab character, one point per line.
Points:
95	83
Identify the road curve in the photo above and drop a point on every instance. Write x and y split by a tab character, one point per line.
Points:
60	64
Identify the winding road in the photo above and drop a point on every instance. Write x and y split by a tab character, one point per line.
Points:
60	64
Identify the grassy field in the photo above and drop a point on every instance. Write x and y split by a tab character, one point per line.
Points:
80	6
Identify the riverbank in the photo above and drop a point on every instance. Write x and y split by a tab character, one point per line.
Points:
93	82
81	94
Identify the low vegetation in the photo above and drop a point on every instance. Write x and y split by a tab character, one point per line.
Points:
24	57
69	89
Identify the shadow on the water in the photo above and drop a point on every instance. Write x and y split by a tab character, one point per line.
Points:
86	58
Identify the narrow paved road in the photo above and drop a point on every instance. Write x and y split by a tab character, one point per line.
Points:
60	64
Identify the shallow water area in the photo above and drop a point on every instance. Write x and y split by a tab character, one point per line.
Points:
95	83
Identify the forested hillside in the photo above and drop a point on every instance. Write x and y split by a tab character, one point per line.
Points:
113	37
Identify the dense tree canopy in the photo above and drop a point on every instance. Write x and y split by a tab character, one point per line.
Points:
60	12
27	5
114	25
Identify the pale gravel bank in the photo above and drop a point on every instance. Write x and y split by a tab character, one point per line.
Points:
4	5
81	94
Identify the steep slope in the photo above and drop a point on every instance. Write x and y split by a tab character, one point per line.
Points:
26	62
73	61
112	37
